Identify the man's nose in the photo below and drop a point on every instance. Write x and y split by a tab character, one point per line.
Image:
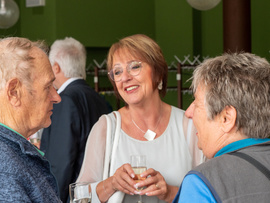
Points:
55	96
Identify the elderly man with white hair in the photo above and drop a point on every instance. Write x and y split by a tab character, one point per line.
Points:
64	141
27	96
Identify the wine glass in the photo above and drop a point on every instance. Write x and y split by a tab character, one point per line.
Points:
138	164
35	138
80	192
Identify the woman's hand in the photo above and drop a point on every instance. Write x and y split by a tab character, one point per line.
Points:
156	186
122	179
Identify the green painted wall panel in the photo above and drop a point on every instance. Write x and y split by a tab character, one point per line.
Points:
38	22
212	31
260	28
99	23
174	28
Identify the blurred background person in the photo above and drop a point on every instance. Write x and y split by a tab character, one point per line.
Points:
27	96
149	126
64	141
231	111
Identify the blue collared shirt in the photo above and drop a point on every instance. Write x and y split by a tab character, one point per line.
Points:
193	189
42	153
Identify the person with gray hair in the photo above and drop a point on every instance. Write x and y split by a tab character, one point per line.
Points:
230	111
64	141
70	54
27	96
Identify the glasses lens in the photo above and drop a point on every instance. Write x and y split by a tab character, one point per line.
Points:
110	73
134	68
116	73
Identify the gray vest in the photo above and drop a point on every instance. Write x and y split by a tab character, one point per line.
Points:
233	179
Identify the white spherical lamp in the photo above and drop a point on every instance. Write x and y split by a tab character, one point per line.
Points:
203	5
9	13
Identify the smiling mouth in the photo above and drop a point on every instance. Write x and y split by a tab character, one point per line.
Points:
131	88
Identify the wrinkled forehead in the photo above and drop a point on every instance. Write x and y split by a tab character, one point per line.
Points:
36	52
200	91
40	60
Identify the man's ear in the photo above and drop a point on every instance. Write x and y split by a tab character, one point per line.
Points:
228	118
56	68
14	91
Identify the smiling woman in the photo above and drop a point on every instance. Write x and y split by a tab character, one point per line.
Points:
144	126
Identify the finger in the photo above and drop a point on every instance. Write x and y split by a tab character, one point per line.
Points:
150	180
157	186
152	190
153	183
129	170
149	172
122	180
121	185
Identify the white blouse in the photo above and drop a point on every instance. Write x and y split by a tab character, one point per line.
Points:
173	153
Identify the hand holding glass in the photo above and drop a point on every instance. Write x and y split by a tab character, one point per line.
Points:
138	164
80	192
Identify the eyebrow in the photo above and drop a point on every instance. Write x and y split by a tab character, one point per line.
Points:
50	82
134	60
118	64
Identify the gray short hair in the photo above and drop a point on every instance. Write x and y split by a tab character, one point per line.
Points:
16	60
240	80
70	54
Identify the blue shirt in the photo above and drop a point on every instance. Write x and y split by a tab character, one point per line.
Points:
193	189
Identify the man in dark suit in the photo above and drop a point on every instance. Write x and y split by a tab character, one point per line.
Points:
64	141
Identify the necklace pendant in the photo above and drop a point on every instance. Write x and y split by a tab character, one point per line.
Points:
150	135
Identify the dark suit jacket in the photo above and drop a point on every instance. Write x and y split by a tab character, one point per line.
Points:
64	141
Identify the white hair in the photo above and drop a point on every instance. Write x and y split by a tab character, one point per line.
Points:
16	59
70	54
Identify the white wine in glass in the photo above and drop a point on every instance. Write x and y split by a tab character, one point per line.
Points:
80	192
138	164
138	178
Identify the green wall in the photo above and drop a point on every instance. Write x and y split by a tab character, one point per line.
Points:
178	29
174	28
96	23
39	22
260	28
182	31
99	23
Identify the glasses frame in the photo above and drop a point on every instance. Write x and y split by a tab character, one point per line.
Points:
128	68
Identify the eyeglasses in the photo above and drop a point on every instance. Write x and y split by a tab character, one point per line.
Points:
133	68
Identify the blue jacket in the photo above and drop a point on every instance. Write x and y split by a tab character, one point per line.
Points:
25	174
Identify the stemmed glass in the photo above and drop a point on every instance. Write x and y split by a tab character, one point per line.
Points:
138	164
80	192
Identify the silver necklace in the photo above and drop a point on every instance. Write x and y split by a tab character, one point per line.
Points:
149	134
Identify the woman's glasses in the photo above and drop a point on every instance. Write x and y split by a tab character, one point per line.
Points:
133	68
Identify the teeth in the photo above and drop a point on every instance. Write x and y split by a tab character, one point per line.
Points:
131	88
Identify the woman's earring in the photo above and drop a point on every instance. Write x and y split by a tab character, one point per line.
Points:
160	85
